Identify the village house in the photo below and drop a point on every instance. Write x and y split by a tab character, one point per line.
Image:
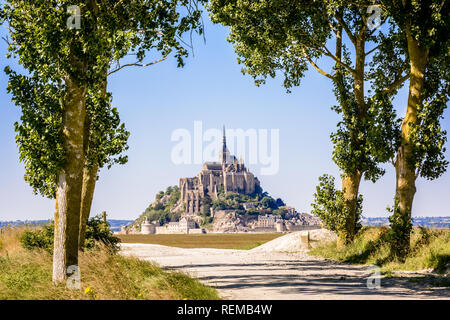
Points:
268	221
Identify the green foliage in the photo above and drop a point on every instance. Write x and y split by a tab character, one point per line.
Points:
430	27
282	211
268	203
258	189
361	143
235	201
401	227
253	212
175	196
106	35
162	212
158	206
108	137
39	131
160	195
169	190
280	203
428	138
206	220
428	22
206	206
39	238
418	34
329	206
220	205
162	216
271	36
96	232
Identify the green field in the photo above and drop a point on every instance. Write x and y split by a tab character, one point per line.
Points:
211	240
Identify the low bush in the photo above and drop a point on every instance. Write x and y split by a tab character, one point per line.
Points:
38	238
97	231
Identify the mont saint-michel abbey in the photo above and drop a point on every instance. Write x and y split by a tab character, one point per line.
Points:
228	173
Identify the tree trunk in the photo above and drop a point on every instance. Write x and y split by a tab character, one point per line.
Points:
87	195
350	188
405	173
358	86
351	180
70	180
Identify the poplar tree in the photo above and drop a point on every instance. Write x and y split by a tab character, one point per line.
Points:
40	144
420	37
287	37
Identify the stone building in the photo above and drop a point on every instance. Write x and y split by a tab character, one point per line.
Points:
268	221
291	212
228	174
249	205
280	226
147	227
184	226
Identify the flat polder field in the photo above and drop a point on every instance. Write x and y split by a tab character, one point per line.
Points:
244	241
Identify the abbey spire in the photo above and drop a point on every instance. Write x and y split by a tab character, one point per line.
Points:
224	154
224	144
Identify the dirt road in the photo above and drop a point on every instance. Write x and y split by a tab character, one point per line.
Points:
249	274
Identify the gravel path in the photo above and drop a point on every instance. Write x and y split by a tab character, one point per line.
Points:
253	274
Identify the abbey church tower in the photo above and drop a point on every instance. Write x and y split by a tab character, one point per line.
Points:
224	154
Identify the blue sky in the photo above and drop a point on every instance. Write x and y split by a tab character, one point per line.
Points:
155	101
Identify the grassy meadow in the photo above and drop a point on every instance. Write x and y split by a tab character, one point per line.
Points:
26	274
244	241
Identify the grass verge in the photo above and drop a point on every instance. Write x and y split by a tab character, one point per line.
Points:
26	275
430	249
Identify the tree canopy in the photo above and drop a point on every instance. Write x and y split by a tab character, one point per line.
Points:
39	131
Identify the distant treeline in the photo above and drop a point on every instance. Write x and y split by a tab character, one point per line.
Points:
435	222
114	224
430	222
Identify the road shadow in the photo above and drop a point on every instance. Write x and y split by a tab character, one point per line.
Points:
314	278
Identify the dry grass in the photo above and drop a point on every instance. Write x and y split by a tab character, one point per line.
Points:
9	238
209	240
26	274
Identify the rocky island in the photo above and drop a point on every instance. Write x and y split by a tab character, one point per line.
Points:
224	197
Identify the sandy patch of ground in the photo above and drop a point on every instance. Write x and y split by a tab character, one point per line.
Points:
271	274
292	242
